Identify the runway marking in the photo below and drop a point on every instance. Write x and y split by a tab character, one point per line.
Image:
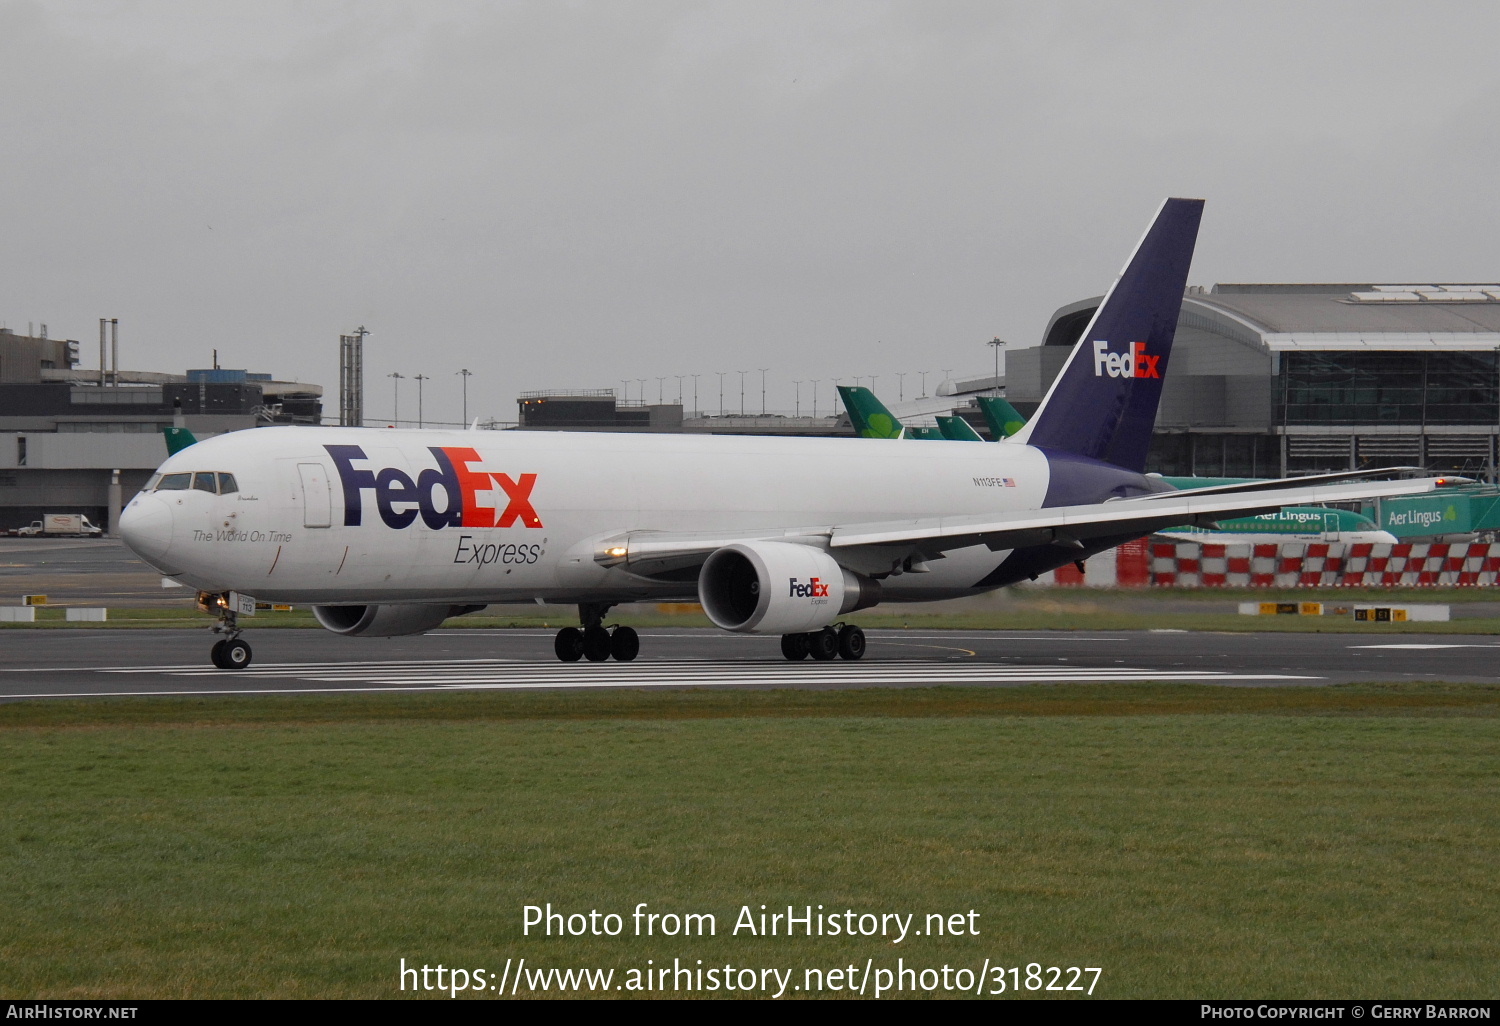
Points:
1415	645
481	674
939	648
200	668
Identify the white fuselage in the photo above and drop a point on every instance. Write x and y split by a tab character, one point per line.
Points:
282	535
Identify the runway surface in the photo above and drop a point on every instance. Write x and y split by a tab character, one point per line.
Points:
106	663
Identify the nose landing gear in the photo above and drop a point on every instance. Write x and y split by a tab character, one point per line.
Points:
594	641
841	641
232	652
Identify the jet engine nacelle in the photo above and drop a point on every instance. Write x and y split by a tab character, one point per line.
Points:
386	621
779	588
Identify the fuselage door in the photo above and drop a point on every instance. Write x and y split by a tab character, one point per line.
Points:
317	499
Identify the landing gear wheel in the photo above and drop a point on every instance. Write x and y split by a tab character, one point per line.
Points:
595	644
851	642
216	654
624	644
823	645
795	646
568	644
235	655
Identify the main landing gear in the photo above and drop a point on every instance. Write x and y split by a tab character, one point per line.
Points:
594	641
844	641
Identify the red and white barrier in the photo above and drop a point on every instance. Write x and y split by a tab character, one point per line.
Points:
1287	565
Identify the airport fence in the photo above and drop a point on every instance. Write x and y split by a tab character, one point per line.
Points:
1170	564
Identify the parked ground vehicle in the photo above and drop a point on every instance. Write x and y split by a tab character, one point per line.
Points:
75	524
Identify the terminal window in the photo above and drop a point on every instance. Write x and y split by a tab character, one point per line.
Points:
1390	388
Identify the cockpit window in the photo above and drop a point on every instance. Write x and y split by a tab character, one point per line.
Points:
151	484
204	481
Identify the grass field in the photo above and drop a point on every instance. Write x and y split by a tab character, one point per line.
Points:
1191	841
1029	611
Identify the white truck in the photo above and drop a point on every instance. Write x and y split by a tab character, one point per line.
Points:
75	524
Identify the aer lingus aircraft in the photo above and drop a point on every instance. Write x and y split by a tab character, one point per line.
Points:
870	419
387	532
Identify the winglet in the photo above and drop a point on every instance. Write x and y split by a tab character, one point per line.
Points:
1103	404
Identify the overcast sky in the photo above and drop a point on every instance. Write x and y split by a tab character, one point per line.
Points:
562	195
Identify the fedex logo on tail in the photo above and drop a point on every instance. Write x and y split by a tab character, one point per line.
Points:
447	495
1135	363
814	588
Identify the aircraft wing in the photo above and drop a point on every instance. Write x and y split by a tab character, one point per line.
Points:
1079	524
873	547
1261	484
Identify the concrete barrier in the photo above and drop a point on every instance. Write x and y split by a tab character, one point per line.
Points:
88	615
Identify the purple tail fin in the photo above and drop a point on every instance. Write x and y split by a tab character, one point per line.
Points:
1103	404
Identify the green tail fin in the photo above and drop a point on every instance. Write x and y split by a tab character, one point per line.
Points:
1001	416
924	433
868	415
956	429
178	439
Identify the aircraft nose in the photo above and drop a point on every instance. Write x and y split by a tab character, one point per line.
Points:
146	528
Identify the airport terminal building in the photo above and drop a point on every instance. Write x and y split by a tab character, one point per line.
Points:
1265	380
83	441
1277	379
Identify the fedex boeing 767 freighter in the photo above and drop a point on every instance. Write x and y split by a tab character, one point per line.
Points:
387	532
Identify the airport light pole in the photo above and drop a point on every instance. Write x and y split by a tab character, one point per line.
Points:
466	375
695	394
721	391
901	387
996	344
799	398
763	390
660	383
642	383
396	377
1495	466
924	383
815	383
679	378
419	379
742	392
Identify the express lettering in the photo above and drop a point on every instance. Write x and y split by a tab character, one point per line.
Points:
814	588
1135	363
444	496
485	553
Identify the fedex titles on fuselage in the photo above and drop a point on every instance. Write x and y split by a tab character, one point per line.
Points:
400	500
1134	363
